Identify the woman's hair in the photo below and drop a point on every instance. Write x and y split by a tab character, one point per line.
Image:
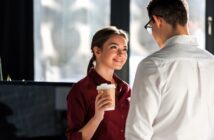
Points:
173	11
100	37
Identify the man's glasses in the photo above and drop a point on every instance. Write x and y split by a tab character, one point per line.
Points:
148	26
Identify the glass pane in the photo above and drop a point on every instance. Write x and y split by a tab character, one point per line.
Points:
143	44
197	20
63	32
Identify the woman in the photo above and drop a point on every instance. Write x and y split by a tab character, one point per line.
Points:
86	115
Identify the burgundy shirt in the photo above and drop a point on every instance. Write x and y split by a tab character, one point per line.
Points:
81	108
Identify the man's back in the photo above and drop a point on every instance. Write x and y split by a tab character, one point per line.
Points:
178	93
188	94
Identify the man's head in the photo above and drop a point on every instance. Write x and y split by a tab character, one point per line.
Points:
173	11
167	18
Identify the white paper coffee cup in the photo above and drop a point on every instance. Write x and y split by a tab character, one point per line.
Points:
108	89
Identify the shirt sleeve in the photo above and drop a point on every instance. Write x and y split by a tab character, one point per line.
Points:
75	113
145	102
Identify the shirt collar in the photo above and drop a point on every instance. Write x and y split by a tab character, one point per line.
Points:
98	79
181	39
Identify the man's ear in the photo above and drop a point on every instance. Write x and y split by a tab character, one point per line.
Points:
96	50
158	20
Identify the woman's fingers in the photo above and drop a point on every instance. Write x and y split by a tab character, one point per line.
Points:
103	101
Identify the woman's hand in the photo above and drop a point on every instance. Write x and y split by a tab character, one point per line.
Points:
102	102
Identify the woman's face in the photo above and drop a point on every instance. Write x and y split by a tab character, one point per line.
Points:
113	54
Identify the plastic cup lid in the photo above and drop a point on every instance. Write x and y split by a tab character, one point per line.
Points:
105	86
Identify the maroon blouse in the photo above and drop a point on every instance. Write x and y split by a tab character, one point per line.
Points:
81	108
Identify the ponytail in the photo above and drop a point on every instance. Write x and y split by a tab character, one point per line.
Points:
90	64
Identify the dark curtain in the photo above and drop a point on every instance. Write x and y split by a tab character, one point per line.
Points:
16	42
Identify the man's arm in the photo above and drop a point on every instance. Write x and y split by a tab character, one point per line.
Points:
145	101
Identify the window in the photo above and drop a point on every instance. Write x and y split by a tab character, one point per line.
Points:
63	33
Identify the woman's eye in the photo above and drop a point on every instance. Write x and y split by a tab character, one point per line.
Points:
113	47
125	50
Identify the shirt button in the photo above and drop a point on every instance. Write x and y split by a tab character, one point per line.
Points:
122	116
121	130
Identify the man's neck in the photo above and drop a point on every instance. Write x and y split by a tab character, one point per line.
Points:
178	30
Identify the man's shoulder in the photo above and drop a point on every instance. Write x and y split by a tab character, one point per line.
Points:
152	58
180	52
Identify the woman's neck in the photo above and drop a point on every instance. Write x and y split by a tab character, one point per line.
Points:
105	73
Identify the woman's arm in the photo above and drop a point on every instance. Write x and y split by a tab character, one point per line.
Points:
101	103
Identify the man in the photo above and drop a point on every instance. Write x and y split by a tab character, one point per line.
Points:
173	91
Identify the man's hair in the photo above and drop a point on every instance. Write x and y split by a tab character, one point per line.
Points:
173	11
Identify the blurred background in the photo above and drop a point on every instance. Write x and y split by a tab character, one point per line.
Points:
45	47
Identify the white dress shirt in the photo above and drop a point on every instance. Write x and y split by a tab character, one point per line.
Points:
173	94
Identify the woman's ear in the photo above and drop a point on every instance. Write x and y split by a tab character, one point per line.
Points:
97	51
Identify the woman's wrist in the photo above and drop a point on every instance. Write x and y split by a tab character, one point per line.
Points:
97	118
